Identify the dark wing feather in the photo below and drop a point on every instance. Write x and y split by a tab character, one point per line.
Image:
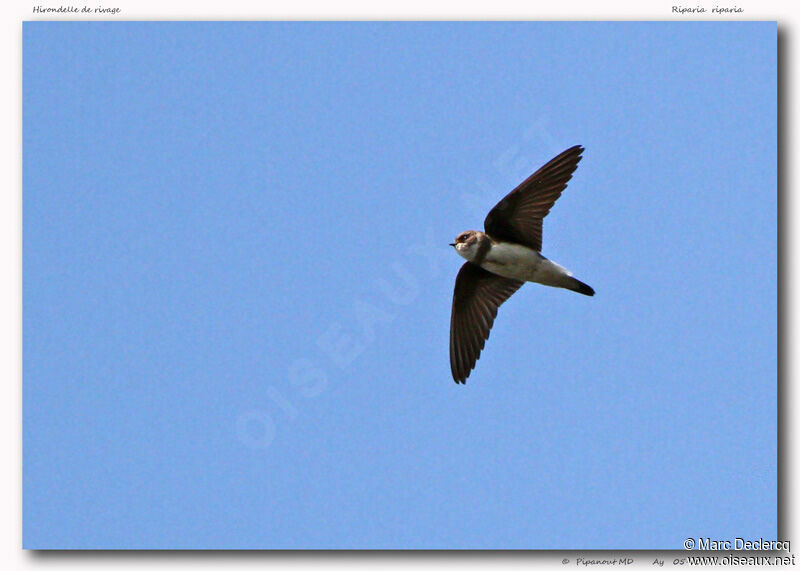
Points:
518	217
476	297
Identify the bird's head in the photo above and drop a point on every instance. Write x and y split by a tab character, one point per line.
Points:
467	243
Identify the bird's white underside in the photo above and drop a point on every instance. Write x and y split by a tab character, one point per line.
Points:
522	263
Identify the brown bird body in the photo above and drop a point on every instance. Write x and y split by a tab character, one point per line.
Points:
504	257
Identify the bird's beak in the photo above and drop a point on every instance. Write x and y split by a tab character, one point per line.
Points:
453	245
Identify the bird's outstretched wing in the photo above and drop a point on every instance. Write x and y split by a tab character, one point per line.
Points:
477	295
518	217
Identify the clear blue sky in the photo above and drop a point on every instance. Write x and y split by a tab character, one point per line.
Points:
237	285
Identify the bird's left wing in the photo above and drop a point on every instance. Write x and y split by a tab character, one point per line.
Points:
477	295
518	217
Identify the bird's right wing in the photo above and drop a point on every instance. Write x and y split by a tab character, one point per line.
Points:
477	295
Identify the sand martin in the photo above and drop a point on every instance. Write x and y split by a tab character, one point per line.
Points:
504	257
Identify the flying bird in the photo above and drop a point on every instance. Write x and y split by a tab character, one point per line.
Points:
504	257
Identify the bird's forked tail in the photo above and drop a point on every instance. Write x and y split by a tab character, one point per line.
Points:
579	286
